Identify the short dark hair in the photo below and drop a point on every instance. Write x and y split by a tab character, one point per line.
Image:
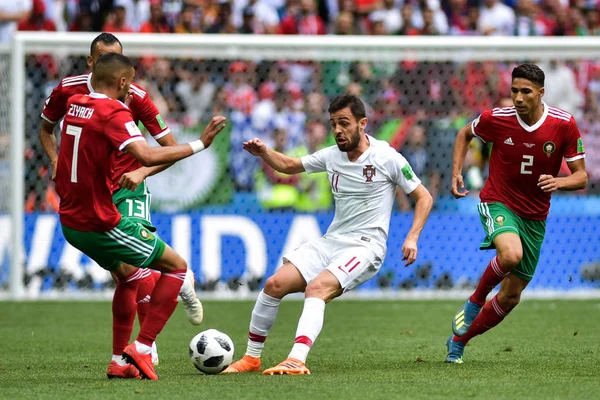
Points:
106	38
531	72
357	108
110	67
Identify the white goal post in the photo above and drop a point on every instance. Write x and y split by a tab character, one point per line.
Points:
251	47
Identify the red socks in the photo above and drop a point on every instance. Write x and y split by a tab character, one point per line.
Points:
492	276
144	293
123	309
162	304
491	315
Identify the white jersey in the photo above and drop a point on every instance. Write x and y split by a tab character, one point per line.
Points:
363	190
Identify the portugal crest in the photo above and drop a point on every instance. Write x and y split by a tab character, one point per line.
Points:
549	148
500	220
369	172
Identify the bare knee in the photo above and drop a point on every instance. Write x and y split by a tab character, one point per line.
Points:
323	290
123	272
276	286
509	300
178	263
170	261
510	258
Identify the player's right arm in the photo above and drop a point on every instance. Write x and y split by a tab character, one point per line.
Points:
461	147
55	109
48	140
480	127
150	156
276	160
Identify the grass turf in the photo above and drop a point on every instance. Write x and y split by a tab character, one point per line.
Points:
367	350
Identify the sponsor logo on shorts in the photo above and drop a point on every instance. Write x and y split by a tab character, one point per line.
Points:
549	148
146	235
500	220
369	172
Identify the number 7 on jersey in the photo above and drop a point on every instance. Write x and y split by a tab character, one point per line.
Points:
74	131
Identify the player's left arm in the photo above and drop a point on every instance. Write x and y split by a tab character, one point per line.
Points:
154	123
574	154
576	181
424	203
404	177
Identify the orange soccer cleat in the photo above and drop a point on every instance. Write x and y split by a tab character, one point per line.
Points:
143	362
116	371
246	364
291	366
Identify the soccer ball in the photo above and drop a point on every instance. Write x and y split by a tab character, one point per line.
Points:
211	351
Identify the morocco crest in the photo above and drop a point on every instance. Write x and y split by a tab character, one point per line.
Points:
369	172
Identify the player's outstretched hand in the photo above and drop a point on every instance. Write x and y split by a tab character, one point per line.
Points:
131	180
255	147
547	183
458	187
215	126
409	250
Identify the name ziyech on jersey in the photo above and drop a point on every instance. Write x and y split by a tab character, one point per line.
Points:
80	111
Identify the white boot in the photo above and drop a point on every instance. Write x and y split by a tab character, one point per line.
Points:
191	303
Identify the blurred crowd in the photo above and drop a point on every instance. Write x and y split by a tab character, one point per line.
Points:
416	106
307	17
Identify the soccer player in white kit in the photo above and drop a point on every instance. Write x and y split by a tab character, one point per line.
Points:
363	173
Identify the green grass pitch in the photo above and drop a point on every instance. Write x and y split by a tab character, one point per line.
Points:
367	350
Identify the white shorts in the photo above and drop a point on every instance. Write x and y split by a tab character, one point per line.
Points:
351	261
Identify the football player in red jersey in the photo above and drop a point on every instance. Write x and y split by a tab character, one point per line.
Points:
129	191
96	126
530	141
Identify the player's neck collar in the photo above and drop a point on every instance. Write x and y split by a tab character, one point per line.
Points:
539	123
98	95
89	83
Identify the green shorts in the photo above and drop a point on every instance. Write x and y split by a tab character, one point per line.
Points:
135	205
497	219
129	242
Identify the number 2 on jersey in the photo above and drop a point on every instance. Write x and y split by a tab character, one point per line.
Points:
74	131
527	162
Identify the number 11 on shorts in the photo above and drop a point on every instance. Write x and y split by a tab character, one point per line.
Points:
349	266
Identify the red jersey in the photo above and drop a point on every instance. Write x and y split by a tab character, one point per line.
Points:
141	107
521	153
95	127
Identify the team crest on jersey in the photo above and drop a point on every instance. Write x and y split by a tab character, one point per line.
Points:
549	148
500	220
146	235
369	172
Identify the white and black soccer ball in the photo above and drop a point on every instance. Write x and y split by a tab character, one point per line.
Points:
211	351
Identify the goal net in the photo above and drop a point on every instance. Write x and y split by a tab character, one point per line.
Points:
232	219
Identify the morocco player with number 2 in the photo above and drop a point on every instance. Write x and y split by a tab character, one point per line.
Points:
530	141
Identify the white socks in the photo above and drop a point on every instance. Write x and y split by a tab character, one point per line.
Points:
309	327
263	317
142	348
119	360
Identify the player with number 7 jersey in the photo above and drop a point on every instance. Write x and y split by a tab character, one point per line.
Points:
529	142
96	126
129	191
